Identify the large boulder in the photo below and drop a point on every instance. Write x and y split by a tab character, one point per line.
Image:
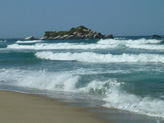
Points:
70	37
97	36
57	37
108	36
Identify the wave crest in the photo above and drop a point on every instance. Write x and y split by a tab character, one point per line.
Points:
29	41
115	96
130	102
148	44
101	58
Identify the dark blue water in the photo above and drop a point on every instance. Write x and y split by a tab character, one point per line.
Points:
124	73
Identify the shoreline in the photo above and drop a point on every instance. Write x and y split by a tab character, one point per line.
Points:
24	108
18	107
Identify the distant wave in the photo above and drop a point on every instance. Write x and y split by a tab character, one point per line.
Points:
2	40
129	41
148	44
29	41
101	58
61	46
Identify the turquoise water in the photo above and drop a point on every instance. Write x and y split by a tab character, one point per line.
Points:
125	73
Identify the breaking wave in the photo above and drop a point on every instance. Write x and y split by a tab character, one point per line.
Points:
29	41
119	99
101	58
130	41
39	79
149	44
146	46
43	46
115	96
130	102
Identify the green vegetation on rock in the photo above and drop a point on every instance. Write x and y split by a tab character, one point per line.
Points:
50	34
80	32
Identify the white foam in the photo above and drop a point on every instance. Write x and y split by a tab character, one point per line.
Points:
29	41
39	79
130	41
117	98
55	81
101	87
66	81
146	46
130	102
101	58
61	46
150	44
93	71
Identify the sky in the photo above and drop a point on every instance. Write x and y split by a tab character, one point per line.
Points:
23	18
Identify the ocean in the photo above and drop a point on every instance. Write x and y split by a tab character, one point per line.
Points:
125	73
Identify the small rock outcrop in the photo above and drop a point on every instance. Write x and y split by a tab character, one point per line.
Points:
31	38
80	32
156	36
108	36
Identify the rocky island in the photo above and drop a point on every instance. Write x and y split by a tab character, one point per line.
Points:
80	32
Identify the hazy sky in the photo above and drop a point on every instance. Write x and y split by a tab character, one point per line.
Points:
22	18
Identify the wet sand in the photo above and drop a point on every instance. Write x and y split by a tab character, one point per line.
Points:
26	108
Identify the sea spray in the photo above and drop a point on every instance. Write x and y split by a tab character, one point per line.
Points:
40	79
101	87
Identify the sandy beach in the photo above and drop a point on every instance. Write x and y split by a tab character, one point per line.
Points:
25	108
